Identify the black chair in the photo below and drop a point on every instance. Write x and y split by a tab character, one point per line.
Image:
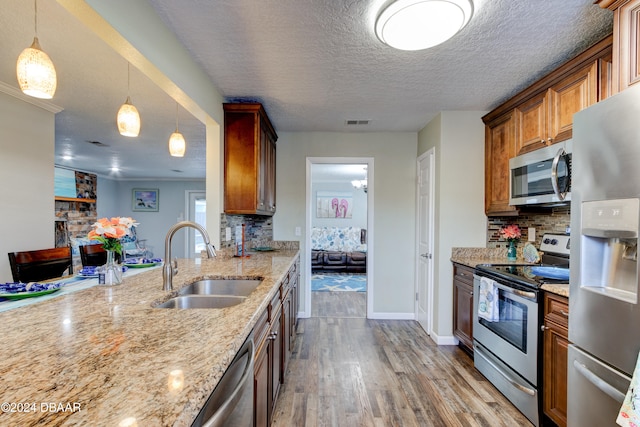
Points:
43	264
94	255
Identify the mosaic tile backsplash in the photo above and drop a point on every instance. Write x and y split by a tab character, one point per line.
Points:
555	220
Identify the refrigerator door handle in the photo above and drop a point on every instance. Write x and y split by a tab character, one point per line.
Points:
554	174
604	386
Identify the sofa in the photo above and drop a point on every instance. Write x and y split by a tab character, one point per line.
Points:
338	250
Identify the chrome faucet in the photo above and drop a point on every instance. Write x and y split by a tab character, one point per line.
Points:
170	269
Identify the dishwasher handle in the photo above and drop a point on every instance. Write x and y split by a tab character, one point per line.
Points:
219	418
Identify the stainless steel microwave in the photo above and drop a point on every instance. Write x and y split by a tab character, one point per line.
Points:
541	177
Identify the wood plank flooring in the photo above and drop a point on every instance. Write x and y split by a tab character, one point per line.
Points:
360	372
339	304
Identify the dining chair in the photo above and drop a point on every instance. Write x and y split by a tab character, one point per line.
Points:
94	255
43	264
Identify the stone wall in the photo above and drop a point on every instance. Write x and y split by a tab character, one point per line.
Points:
77	216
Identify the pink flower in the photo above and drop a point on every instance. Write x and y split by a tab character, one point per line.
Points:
511	232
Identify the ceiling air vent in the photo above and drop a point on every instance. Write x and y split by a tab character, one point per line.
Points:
176	170
98	143
356	122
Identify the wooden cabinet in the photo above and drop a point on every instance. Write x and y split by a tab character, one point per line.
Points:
555	357
541	115
463	305
626	42
547	118
499	148
274	334
249	160
262	374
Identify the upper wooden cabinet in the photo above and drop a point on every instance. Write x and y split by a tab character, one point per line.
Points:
547	118
249	160
541	115
498	149
626	42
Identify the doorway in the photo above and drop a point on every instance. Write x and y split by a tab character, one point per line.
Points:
196	208
339	237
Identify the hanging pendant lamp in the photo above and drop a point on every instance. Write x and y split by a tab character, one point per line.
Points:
34	69
128	117
177	144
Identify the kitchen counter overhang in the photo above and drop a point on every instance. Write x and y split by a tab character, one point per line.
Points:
105	356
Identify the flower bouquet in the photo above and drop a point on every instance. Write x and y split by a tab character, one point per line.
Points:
109	232
511	233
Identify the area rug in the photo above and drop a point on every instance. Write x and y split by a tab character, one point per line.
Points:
339	282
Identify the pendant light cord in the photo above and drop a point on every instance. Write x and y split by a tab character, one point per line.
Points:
176	116
128	78
35	19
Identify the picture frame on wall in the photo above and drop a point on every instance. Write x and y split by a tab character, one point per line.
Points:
333	204
145	200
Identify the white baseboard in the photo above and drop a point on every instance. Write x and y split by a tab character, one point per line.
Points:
444	340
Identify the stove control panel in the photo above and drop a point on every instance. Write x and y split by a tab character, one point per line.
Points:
556	243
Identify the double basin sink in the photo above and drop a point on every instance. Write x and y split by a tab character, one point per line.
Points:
212	293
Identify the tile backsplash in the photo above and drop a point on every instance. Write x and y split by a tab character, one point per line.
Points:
553	220
258	229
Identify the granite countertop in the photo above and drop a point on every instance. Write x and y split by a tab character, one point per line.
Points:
105	356
472	257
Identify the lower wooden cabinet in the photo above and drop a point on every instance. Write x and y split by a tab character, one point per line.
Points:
555	358
274	335
463	305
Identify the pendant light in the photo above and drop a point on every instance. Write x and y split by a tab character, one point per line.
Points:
421	24
128	117
35	71
177	144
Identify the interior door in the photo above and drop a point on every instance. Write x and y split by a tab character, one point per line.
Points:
425	216
197	212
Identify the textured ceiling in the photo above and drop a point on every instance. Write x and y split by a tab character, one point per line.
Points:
312	63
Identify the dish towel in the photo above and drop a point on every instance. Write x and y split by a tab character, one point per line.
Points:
629	415
488	308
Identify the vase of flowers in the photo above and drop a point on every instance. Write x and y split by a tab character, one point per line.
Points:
109	232
511	233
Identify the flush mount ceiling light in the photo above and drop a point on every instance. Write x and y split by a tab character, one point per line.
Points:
177	144
421	24
35	71
128	117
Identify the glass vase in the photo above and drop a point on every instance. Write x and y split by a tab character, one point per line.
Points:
511	251
110	274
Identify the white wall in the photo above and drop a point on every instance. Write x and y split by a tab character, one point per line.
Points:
394	205
458	137
26	173
116	201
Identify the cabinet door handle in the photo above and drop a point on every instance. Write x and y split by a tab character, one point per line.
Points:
550	140
565	314
543	328
471	293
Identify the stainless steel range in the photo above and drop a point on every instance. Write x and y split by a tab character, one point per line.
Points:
506	332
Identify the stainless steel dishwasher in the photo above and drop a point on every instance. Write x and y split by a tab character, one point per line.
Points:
231	403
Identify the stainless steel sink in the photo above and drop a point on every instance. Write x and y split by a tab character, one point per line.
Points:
237	287
202	301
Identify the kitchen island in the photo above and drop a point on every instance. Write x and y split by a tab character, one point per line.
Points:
106	356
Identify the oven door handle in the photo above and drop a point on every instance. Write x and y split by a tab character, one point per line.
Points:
527	390
523	294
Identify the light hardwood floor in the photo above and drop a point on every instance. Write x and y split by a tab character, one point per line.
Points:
360	372
338	304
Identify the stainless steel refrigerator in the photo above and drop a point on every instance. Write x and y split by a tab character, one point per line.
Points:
604	311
